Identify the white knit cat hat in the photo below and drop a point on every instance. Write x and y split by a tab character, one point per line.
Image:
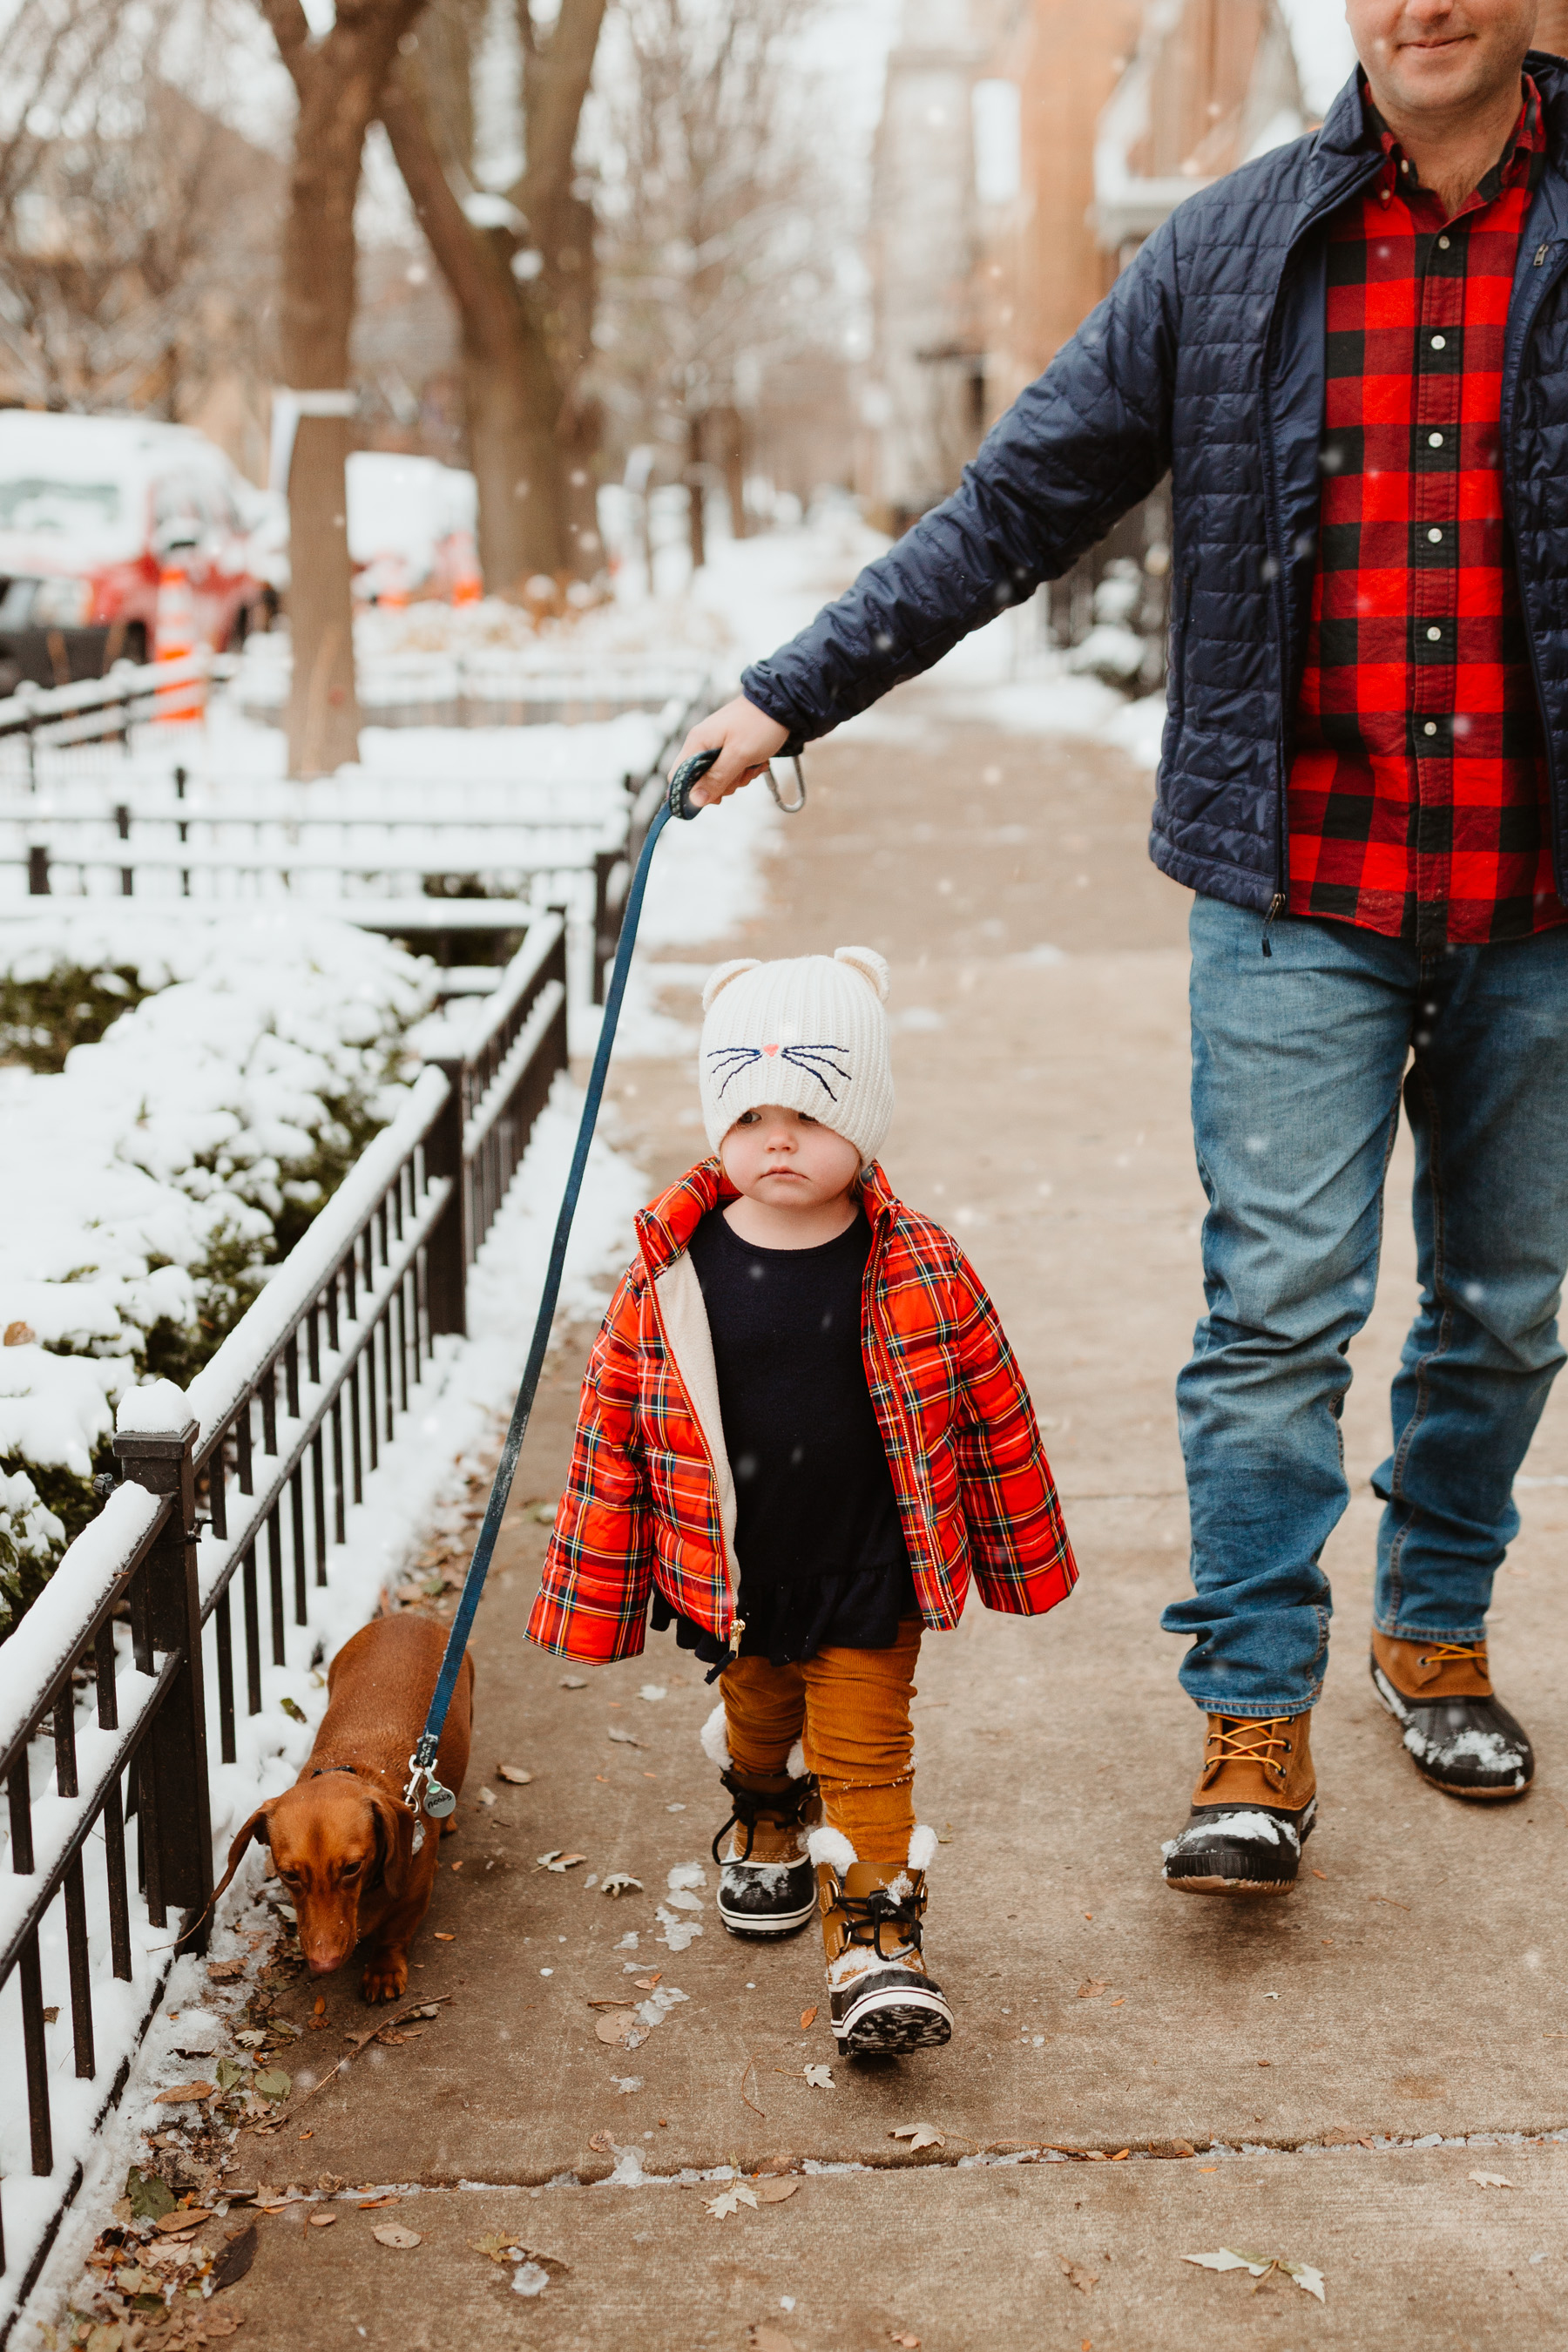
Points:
809	1034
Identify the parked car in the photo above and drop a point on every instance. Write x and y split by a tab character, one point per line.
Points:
91	510
411	529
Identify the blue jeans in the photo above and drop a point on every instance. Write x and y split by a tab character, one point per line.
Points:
1298	1060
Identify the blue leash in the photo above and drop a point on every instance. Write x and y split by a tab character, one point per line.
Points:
438	1800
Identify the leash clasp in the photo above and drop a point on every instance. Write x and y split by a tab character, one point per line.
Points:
788	808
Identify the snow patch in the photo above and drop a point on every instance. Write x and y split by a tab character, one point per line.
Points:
923	1847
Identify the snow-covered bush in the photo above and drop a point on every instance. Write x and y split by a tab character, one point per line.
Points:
149	1185
31	1539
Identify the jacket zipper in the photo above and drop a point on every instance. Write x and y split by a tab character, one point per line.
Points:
1276	907
1538	262
737	1623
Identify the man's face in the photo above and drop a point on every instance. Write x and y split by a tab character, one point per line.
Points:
1432	56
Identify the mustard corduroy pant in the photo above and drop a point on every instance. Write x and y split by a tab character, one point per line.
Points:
850	1711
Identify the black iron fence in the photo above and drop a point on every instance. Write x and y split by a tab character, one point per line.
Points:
152	1639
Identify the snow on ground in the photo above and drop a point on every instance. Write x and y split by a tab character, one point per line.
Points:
446	1438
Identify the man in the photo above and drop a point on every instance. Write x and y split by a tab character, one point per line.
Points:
1351	355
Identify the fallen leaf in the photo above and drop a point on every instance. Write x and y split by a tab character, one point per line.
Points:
917	2135
911	2342
499	2247
369	2204
515	1774
819	2077
602	2144
1491	2180
149	2198
1075	2276
272	2084
189	2217
322	2220
225	1971
730	2199
558	1860
647	1984
393	2233
621	2026
807	2017
1092	1987
773	2190
1316	1873
441	1938
295	1713
626	1739
237	2258
619	1883
184	2095
1226	2258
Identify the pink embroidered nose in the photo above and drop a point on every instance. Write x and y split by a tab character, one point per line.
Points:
770	1051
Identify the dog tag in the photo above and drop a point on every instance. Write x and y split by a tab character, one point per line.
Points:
438	1801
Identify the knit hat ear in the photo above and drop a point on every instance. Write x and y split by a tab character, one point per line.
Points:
871	967
723	975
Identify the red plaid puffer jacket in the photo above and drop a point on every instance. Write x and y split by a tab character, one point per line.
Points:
649	1500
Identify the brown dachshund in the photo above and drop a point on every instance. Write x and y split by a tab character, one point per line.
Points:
341	1837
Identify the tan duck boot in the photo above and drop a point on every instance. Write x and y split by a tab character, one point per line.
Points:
1460	1736
1253	1809
880	1997
766	1884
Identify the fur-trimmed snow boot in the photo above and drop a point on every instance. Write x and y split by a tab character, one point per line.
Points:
766	1884
880	1995
1252	1811
1460	1736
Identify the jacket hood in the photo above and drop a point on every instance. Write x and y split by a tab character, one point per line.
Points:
666	1226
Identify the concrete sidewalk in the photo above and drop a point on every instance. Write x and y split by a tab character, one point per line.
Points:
1411	1987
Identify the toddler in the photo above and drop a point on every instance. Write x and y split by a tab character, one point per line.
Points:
801	1430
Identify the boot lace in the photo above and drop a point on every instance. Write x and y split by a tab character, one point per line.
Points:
1454	1654
784	1808
866	1917
1238	1739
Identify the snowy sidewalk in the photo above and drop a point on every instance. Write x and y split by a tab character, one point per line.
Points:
1408	1992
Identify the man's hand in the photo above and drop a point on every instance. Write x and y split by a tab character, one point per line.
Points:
745	739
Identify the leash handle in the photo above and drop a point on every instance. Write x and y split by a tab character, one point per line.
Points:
423	1791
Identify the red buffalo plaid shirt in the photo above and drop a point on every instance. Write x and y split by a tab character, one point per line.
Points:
641	1509
1418	796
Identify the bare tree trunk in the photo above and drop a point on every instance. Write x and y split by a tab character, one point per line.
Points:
338	80
696	492
513	399
730	427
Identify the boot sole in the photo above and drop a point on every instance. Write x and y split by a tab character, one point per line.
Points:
1391	1703
1232	1885
751	1929
904	2021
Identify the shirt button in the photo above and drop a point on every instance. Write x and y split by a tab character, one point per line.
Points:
1433	440
1439	343
1430	727
1443	242
1434	536
1433	633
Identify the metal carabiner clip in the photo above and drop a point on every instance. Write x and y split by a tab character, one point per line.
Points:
790	808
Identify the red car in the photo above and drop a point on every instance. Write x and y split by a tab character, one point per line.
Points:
92	509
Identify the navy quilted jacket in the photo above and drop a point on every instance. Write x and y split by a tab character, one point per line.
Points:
1207	357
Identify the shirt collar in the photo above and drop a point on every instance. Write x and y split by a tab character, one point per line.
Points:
1521	164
